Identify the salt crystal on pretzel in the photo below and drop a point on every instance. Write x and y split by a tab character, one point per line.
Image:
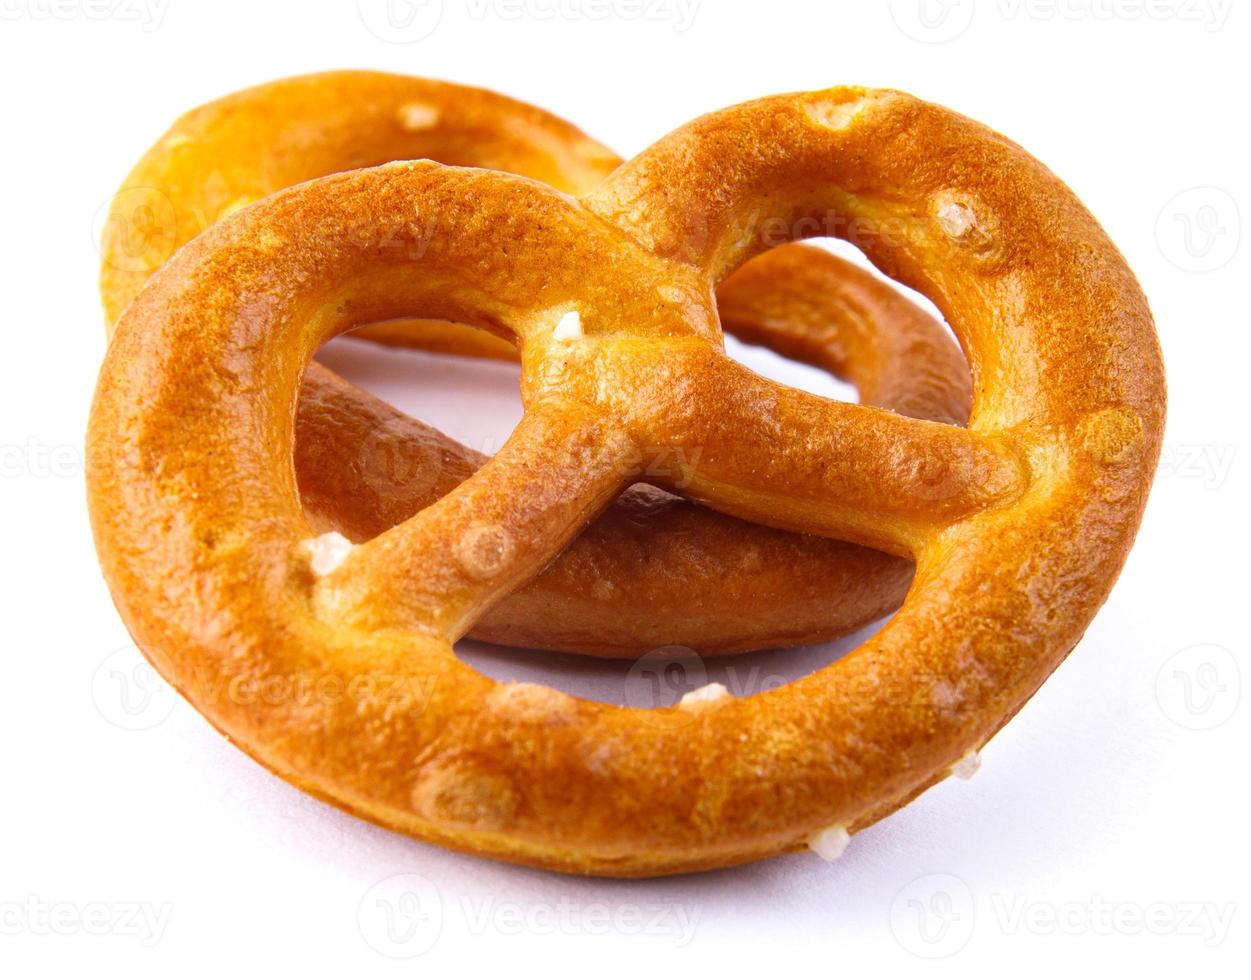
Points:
830	843
327	552
967	765
707	694
569	327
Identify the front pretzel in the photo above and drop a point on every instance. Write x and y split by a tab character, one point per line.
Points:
654	570
1019	524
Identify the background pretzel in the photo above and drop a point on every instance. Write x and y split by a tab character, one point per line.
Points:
1019	523
655	570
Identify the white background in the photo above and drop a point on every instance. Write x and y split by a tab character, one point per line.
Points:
1107	830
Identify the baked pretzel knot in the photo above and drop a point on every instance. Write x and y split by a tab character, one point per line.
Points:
654	570
1018	524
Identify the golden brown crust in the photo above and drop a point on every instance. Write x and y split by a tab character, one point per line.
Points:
1019	524
655	570
234	150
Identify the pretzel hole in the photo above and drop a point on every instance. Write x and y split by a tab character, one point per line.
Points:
798	371
840	328
364	467
473	397
666	677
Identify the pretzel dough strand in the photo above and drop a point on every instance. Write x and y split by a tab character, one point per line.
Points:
237	149
866	475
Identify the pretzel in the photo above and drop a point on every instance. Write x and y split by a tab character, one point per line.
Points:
654	570
1019	524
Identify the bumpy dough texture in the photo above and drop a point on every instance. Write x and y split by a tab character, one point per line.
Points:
653	571
1019	523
